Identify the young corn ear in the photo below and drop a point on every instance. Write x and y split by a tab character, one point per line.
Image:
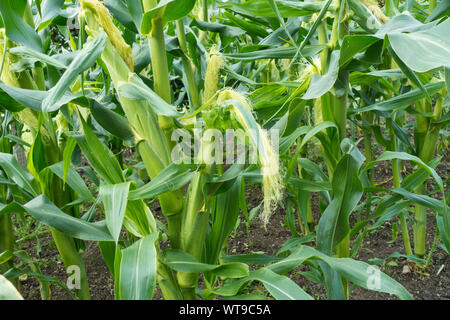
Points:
267	156
105	20
214	64
375	9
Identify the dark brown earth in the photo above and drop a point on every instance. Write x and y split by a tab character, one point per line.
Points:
430	284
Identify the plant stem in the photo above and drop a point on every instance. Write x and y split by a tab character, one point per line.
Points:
162	88
65	244
160	67
6	238
395	163
188	67
38	72
420	227
194	229
368	117
205	10
196	218
426	136
343	251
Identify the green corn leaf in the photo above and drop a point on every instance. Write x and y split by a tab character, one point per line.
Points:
319	84
402	23
251	258
135	89
184	262
421	199
167	10
274	6
389	155
347	189
223	29
17	29
9	103
444	231
135	10
390	213
138	217
287	142
250	28
67	155
311	186
137	275
354	44
43	210
170	178
410	74
10	208
73	179
402	101
50	10
433	43
262	8
309	135
357	77
99	156
83	60
108	251
442	7
17	174
33	99
358	272
226	213
293	243
28	52
312	30
112	122
280	287
178	9
121	11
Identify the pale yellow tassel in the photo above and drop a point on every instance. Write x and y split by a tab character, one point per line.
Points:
269	160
